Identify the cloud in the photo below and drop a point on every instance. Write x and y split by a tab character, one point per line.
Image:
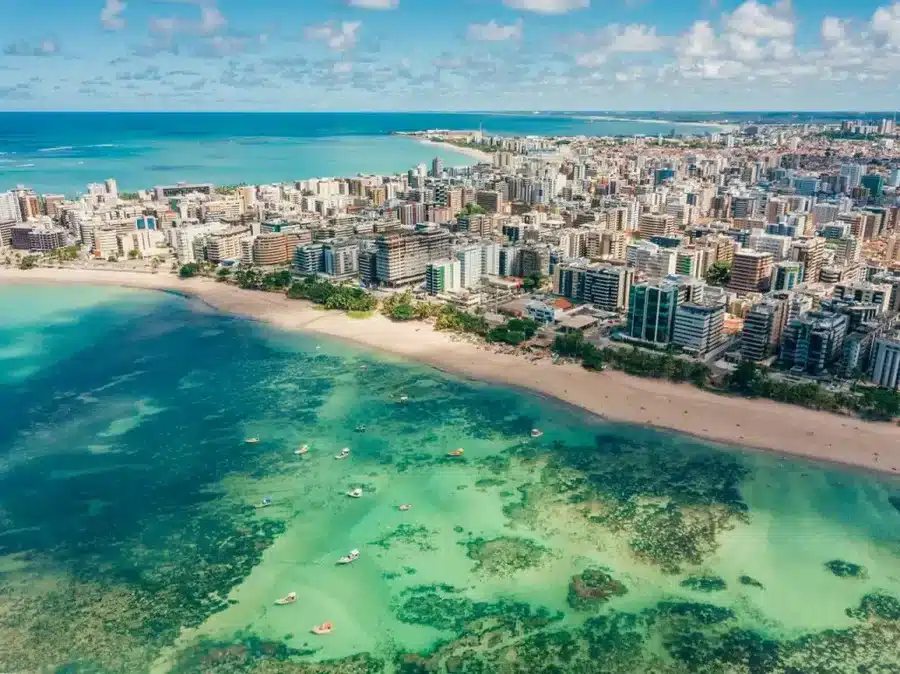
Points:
341	36
755	20
211	20
547	6
374	4
111	15
833	30
495	32
886	24
24	48
634	38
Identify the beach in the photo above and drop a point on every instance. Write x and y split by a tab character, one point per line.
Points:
481	156
758	424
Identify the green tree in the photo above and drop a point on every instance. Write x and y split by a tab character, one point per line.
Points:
112	258
403	312
134	254
189	270
532	281
28	262
223	273
471	208
719	273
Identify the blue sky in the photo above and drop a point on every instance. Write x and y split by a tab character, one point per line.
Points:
449	54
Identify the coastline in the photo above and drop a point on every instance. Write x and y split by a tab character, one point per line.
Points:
483	157
721	127
750	423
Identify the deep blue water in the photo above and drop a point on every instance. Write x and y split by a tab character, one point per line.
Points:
62	152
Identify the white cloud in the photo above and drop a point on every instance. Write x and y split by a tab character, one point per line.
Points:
886	24
111	15
593	59
547	6
495	32
337	36
753	19
634	38
833	29
211	19
699	42
375	4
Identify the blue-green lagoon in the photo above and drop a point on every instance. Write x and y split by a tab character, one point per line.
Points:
129	540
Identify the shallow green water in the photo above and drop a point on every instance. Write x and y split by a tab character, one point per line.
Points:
129	541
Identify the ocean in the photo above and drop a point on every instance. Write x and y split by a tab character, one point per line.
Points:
130	541
56	152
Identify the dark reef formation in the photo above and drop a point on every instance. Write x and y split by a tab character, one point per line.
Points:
505	555
843	569
591	588
703	583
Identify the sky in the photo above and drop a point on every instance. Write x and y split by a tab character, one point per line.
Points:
323	55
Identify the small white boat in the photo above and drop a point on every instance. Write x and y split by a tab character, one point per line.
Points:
405	506
324	628
360	428
265	503
456	452
252	441
302	450
351	556
289	598
403	399
535	433
345	452
363	367
355	493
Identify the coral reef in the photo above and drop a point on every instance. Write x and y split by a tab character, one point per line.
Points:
505	555
406	534
592	588
703	583
749	581
843	569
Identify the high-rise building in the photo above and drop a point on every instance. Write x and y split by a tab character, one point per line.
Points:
652	224
698	327
471	265
9	208
489	200
402	257
652	306
813	342
809	252
437	167
787	275
874	183
751	271
309	259
608	287
341	259
886	362
865	292
763	326
853	173
227	245
778	246
271	248
442	276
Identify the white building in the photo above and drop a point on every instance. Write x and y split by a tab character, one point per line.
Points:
886	359
9	207
471	267
778	246
540	311
490	259
182	239
443	276
698	327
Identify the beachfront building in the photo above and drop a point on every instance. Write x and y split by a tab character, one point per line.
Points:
698	328
608	287
813	342
762	329
652	307
886	362
443	276
401	258
471	260
340	260
226	245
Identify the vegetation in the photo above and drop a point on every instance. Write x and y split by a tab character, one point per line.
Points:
703	583
189	270
332	296
634	361
719	273
454	320
843	569
878	404
65	254
533	281
514	331
223	273
254	279
134	254
402	307
471	208
28	262
592	588
128	196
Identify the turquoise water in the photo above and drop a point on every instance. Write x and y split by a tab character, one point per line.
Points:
129	541
62	152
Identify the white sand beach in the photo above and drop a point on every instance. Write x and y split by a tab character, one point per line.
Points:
759	424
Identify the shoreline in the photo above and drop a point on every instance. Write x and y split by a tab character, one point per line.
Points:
615	396
722	127
481	156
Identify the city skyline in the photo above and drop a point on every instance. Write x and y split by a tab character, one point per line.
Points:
348	55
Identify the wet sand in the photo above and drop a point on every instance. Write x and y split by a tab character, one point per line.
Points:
759	424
